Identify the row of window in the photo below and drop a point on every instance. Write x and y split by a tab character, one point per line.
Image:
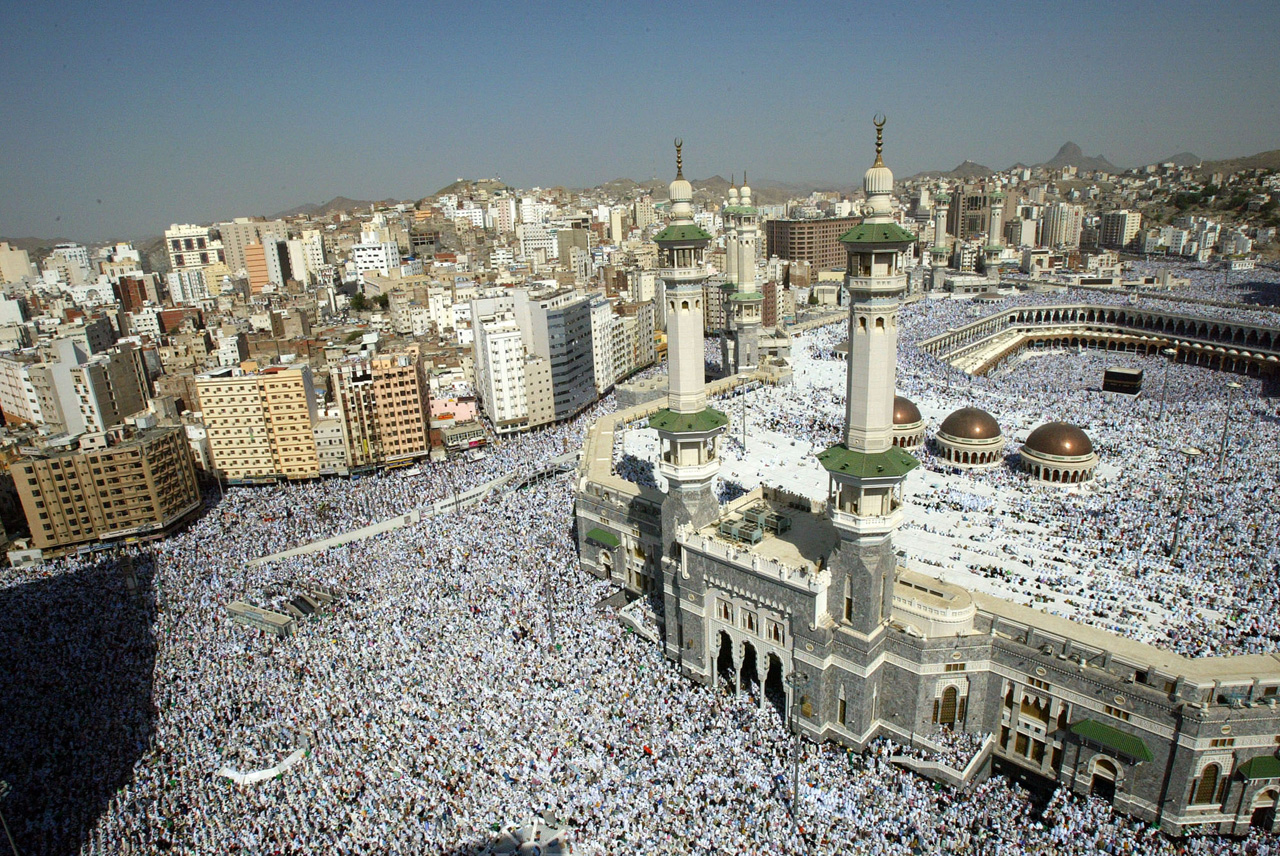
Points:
748	621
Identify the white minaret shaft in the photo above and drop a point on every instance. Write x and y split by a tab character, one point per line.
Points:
684	272
875	285
939	225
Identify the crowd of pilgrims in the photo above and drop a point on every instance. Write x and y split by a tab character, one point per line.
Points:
473	676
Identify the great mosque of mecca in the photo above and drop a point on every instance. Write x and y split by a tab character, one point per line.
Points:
803	587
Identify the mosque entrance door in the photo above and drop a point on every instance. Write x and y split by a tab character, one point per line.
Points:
774	691
747	675
947	710
1104	781
1264	811
724	661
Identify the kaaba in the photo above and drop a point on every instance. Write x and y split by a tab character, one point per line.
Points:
1128	381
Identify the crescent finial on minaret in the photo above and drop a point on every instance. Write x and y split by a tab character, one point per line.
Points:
879	120
679	158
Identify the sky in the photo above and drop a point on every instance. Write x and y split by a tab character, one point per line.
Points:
120	119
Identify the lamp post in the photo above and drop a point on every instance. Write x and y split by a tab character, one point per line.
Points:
1164	393
4	792
1191	453
796	679
1226	422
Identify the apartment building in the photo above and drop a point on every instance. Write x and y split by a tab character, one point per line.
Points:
260	426
500	371
384	404
814	241
104	486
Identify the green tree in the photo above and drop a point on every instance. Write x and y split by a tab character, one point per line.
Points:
358	303
383	300
813	297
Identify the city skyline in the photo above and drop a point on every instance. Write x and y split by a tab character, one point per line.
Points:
195	124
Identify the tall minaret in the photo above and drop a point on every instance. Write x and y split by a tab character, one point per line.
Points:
995	233
867	470
744	304
939	253
687	428
731	234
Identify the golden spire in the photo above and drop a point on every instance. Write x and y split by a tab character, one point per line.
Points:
679	158
744	178
733	182
878	120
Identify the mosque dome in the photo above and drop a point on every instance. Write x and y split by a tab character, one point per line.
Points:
970	423
733	194
905	412
1059	439
943	198
878	179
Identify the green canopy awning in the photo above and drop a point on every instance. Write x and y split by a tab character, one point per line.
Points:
603	537
1265	767
1102	735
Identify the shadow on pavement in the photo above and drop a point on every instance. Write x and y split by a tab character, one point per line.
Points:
76	659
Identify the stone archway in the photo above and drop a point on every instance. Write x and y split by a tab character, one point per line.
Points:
1102	783
1264	810
774	689
748	673
724	661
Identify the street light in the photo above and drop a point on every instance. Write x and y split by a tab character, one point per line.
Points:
796	679
1164	394
4	792
1191	453
1226	421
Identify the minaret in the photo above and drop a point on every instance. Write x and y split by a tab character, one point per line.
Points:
744	304
687	428
866	470
731	234
939	253
995	236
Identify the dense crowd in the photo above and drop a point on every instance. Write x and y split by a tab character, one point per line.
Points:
473	676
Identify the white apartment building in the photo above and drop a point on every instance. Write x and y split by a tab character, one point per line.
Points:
374	255
1119	228
500	371
535	238
191	246
604	361
187	286
1062	225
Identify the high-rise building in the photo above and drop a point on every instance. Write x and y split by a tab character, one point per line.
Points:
383	404
107	487
1062	224
499	355
191	247
1119	228
111	387
238	234
557	327
970	212
260	426
814	241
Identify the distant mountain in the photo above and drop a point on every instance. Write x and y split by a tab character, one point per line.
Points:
34	245
1262	160
966	170
1182	159
1071	155
337	203
466	184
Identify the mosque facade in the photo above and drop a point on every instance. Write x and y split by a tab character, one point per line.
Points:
805	601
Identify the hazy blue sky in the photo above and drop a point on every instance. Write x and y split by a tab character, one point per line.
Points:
191	112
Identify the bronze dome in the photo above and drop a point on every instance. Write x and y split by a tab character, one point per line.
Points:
970	423
1059	439
904	412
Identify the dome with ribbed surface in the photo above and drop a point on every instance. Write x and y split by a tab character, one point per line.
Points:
970	423
1060	439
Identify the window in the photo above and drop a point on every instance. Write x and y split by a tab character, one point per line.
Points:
841	711
725	610
775	632
848	608
1206	788
955	667
1118	713
1038	684
749	621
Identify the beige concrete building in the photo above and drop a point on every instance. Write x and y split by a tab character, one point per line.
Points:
15	264
104	487
384	404
260	425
